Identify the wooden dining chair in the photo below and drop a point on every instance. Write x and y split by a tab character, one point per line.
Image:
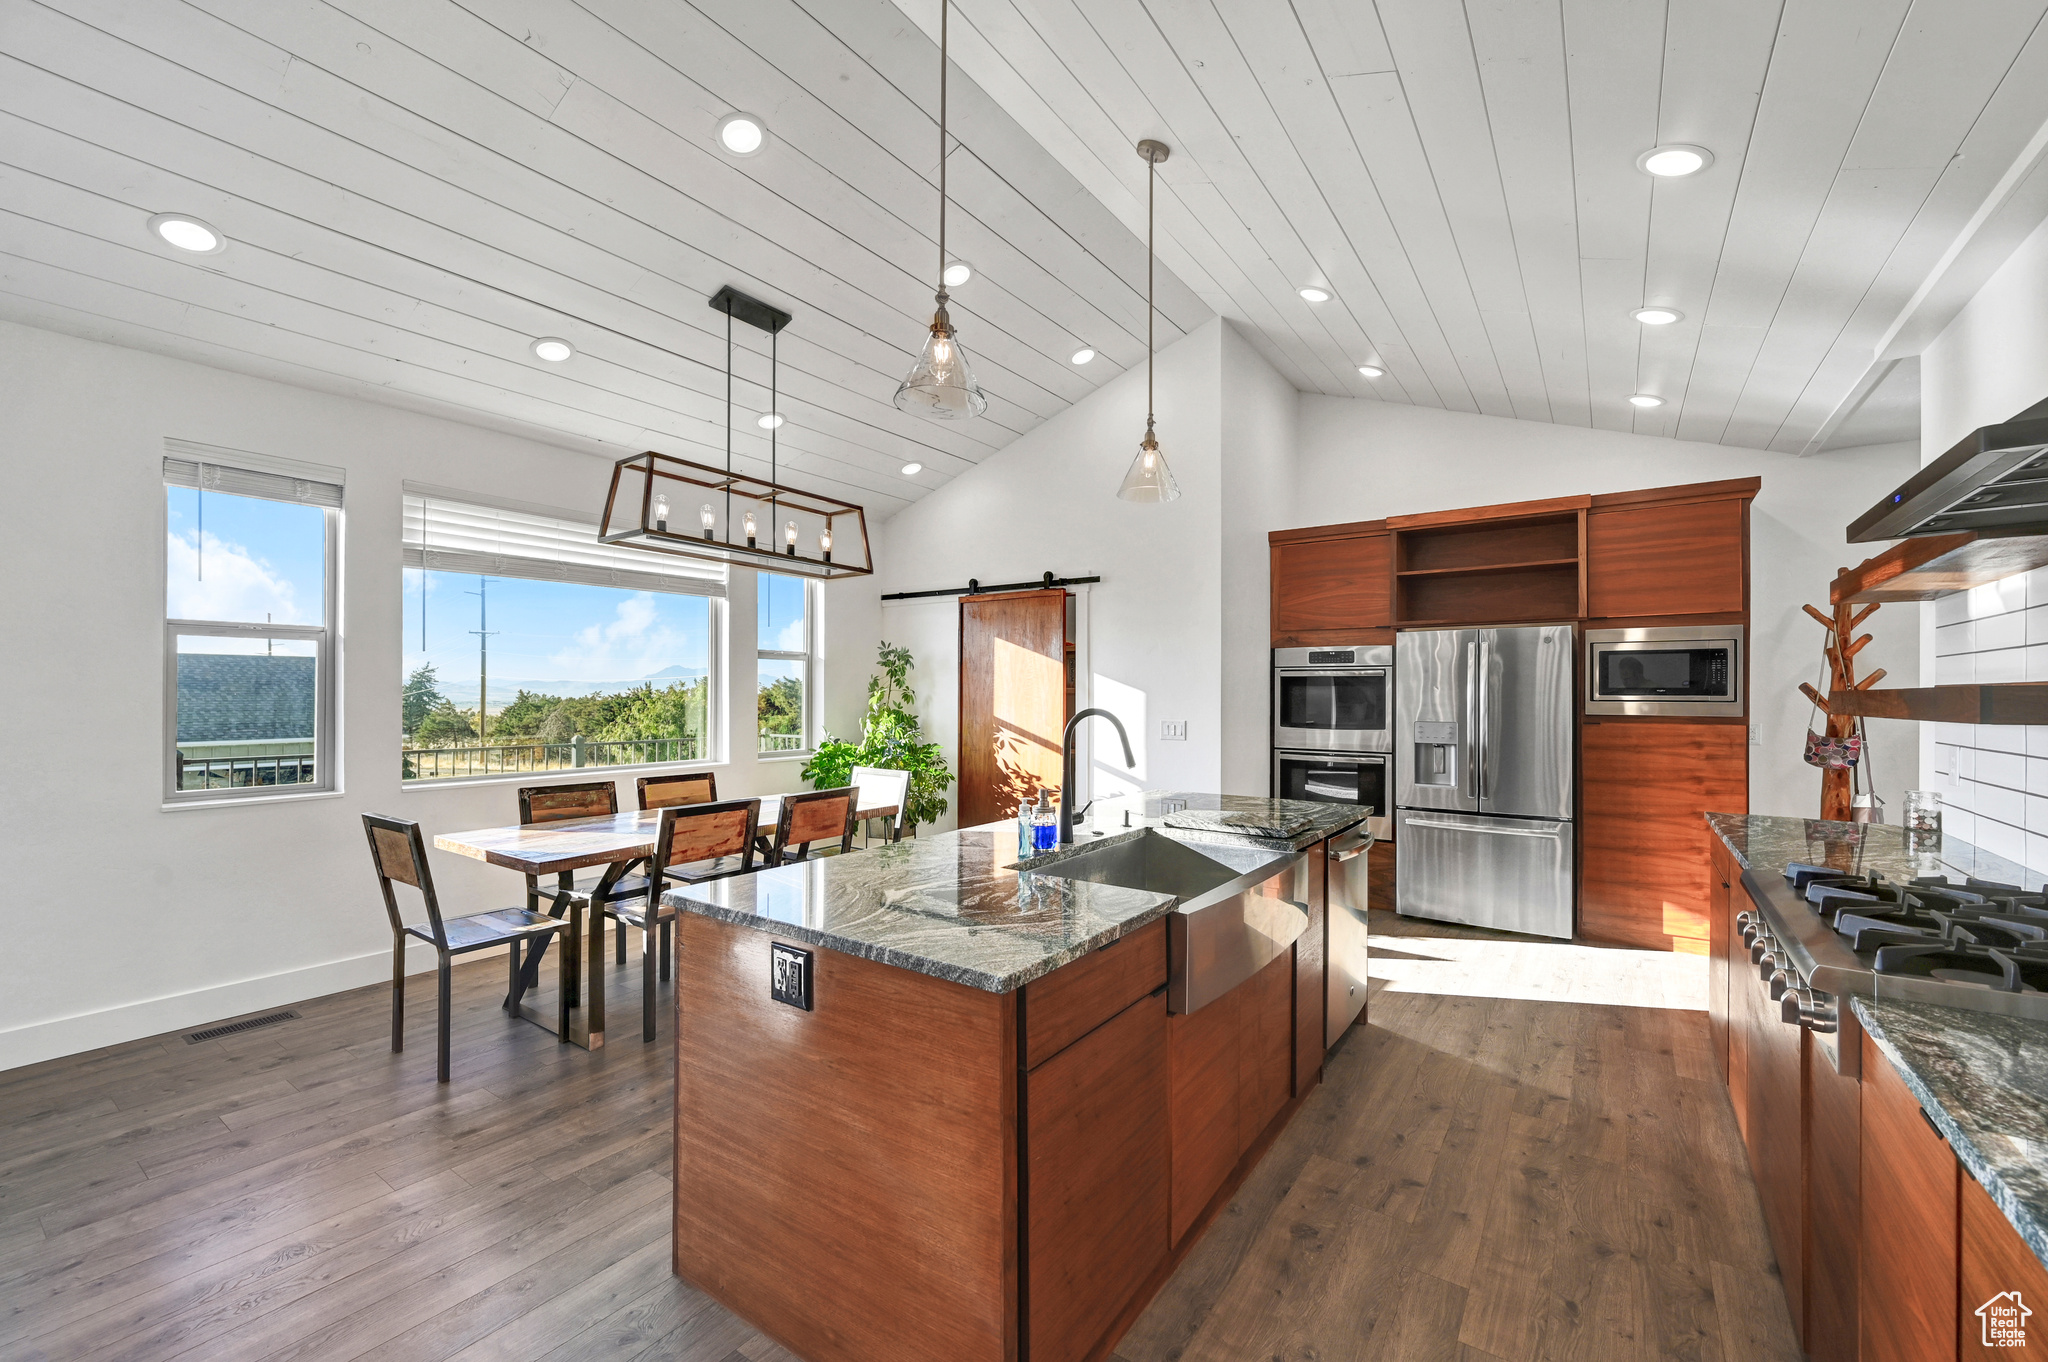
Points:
554	804
400	854
694	844
687	787
813	816
882	788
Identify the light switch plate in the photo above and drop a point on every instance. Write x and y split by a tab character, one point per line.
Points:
1754	739
1173	730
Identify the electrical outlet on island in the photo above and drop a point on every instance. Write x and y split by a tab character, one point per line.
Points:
1173	730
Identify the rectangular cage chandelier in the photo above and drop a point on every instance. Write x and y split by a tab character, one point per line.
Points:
667	504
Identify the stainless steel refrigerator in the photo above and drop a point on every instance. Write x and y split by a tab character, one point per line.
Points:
1483	777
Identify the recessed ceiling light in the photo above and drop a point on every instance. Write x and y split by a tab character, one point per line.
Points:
742	134
553	349
1657	316
1372	371
768	420
957	273
1675	158
911	470
1083	355
188	233
1646	400
1313	294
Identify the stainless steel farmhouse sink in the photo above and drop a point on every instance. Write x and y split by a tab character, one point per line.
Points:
1237	908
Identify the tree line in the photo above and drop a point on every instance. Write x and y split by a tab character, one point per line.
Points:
645	711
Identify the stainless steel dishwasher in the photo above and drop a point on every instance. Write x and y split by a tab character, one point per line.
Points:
1344	970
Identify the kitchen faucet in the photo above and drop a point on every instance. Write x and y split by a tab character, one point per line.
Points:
1067	766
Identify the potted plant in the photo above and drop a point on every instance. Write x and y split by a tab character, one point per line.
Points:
892	737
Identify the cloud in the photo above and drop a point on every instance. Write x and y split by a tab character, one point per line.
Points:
633	642
238	585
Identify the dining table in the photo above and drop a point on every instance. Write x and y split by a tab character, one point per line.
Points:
560	849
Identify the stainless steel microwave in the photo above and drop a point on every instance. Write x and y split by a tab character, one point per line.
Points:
1693	670
1332	699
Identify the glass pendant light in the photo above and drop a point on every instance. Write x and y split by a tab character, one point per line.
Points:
941	384
1149	479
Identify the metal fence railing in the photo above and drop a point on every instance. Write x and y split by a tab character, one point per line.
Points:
234	773
443	763
782	742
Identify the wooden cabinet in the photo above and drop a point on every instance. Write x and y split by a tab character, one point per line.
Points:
1494	565
1096	1181
1833	1201
1724	891
1646	879
1998	1274
1775	1133
1907	1285
1667	558
1073	1000
1328	585
1231	1067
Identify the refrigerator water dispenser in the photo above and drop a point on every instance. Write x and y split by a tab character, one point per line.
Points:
1436	753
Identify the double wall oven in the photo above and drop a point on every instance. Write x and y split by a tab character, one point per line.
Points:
1332	733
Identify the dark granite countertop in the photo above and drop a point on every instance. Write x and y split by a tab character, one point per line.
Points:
1983	1080
1767	845
951	905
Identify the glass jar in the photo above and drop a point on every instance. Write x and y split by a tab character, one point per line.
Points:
1923	820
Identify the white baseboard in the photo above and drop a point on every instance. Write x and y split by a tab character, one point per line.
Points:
61	1036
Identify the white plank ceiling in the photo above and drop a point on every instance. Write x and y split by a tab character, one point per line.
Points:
1461	176
413	190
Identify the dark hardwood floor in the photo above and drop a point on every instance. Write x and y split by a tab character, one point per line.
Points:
1479	1178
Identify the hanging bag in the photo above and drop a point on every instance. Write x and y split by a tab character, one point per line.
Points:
1827	752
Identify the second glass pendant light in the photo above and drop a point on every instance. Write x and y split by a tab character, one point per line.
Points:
1149	479
941	384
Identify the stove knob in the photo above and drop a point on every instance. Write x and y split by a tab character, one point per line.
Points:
1745	920
1804	1007
1750	932
1781	986
1766	965
1760	949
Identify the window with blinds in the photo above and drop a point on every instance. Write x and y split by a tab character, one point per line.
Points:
446	534
530	646
251	547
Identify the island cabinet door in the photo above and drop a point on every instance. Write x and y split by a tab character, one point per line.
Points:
1096	1181
2004	1287
1907	1295
1723	892
1776	1137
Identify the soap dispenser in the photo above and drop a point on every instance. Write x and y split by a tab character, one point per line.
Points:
1027	827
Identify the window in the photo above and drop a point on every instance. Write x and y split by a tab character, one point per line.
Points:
530	646
249	605
786	650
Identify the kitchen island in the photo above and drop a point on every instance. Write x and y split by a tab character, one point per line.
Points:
935	1104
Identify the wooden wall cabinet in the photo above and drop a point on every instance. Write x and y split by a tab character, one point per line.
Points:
1329	585
1684	557
1910	1181
1646	878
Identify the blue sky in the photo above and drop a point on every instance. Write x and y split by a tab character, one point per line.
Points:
258	559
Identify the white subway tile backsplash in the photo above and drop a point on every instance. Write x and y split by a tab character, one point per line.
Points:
2001	631
2037	662
2037	587
1958	735
1958	670
2037	623
2002	768
2037	814
2037	857
1958	823
2001	839
1964	764
2007	664
2037	775
2001	737
1951	639
1951	609
1961	795
1995	801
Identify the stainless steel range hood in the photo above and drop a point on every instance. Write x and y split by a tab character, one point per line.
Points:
1994	483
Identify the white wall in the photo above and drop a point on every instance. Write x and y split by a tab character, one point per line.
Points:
131	920
1990	364
1260	445
1047	503
1361	460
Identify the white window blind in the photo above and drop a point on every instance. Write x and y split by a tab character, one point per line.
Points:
188	470
447	535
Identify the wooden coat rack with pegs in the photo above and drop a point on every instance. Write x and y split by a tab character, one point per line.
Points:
1842	646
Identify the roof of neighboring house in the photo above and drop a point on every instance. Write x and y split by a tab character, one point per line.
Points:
242	698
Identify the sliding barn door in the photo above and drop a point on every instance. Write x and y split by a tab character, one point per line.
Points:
1013	699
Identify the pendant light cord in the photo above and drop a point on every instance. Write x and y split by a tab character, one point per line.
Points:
728	420
945	11
1151	180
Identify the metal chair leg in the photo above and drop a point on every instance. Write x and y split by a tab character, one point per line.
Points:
446	1017
619	946
563	975
517	981
647	954
397	992
667	946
